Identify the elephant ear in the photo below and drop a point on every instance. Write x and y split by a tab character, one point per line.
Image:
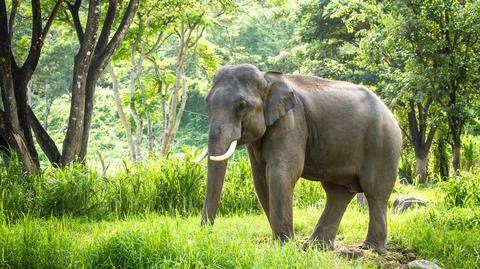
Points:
280	99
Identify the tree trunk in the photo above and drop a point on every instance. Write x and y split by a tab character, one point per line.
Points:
14	80
48	106
44	140
121	113
86	74
456	146
136	119
74	136
138	134
442	163
169	132
420	139
421	169
180	113
150	135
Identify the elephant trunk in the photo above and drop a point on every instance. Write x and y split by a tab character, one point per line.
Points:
215	179
221	145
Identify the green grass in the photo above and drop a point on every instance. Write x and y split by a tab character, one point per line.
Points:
148	216
446	235
152	241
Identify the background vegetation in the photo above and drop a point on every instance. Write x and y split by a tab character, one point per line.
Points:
118	188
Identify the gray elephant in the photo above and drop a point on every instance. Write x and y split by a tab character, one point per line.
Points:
295	126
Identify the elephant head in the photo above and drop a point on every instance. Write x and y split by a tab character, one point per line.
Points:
241	104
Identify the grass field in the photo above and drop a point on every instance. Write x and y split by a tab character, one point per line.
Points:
446	235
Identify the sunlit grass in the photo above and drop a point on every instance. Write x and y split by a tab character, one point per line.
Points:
148	216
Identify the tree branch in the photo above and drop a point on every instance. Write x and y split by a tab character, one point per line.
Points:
44	140
107	26
120	33
431	134
74	8
52	16
35	44
11	20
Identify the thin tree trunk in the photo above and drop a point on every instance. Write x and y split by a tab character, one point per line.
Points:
179	71
180	113
421	169
456	156
121	113
456	146
29	94
48	106
150	135
442	163
137	120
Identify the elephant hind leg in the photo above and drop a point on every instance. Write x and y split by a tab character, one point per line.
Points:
338	198
377	189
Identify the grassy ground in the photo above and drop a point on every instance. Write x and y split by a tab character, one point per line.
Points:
447	236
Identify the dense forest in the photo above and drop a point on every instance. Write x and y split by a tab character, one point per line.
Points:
103	111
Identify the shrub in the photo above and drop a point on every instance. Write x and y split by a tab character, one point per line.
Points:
74	189
172	185
462	190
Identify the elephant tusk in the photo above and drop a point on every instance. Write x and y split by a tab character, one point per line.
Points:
201	156
227	154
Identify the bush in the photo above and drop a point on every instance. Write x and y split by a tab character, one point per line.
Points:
462	190
72	190
172	185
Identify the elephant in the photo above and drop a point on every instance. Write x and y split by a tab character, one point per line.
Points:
335	132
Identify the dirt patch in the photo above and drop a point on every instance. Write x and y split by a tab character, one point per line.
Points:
395	257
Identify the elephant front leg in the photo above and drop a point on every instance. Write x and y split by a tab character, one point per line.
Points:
260	182
338	198
280	189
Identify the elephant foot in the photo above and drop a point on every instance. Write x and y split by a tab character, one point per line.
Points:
379	248
283	237
318	242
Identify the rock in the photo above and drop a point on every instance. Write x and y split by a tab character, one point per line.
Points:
404	181
362	200
349	253
423	264
403	203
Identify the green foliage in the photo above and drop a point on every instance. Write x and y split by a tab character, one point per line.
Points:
470	152
406	167
257	34
448	236
72	190
462	190
170	185
152	242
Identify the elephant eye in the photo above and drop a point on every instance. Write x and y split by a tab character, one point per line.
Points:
242	105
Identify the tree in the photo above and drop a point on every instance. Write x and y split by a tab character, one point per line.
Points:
188	30
92	58
148	37
158	87
121	113
16	116
454	41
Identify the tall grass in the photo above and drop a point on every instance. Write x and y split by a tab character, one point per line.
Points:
462	190
171	185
